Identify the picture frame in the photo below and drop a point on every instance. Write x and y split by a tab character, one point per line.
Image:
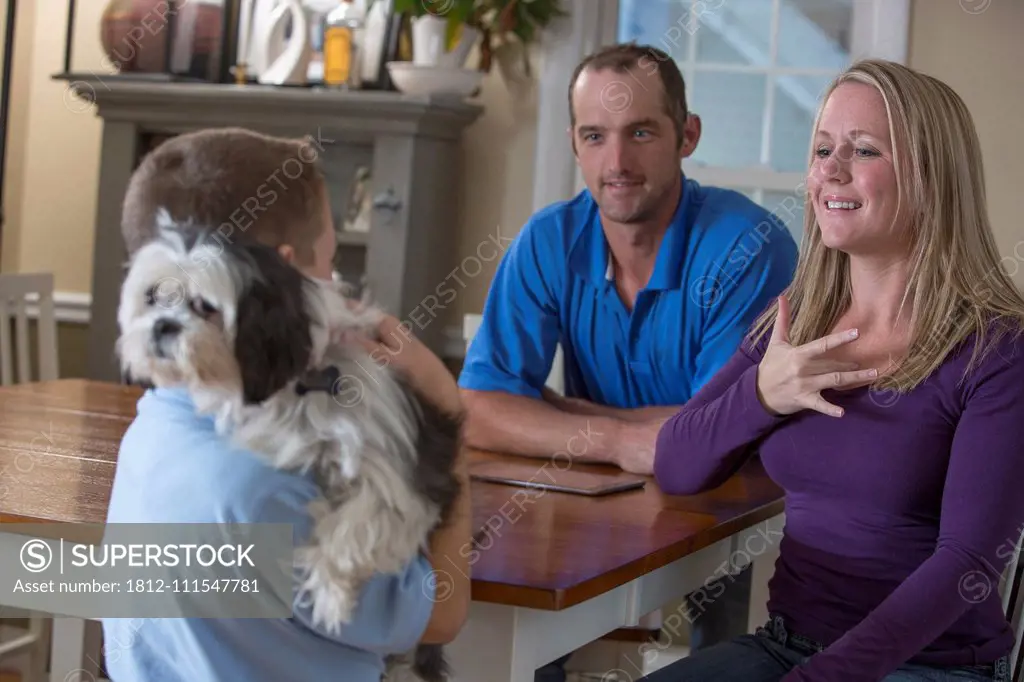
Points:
190	53
5	94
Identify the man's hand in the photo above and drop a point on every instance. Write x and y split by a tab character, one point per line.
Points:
421	367
634	445
635	433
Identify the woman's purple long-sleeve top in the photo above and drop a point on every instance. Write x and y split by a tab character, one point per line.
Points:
900	516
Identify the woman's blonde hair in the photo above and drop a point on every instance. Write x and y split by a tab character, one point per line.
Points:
957	285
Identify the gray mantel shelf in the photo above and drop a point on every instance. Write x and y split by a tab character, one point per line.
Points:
410	144
354	112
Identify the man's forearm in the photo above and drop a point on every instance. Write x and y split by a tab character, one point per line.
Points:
652	413
585	407
534	428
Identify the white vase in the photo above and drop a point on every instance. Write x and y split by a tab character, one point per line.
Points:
428	40
429	34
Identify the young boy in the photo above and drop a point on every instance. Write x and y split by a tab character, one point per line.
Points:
173	468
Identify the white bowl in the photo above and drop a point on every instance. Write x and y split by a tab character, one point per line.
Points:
415	79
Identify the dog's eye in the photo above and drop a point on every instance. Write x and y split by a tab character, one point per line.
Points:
151	296
202	307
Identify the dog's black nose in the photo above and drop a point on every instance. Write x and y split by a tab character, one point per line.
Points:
164	327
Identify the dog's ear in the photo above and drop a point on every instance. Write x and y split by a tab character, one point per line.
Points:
273	341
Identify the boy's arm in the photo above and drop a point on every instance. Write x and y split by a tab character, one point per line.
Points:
394	611
450	549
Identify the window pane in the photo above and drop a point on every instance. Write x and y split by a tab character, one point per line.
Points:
749	192
796	104
789	207
664	24
815	34
730	106
734	32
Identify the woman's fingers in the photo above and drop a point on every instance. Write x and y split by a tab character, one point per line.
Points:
819	404
780	332
841	379
826	343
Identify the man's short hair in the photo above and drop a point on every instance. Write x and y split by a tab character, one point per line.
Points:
623	57
241	183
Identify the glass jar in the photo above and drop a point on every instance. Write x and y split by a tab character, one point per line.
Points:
343	46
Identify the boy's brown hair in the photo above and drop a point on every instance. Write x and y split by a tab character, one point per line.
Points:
238	182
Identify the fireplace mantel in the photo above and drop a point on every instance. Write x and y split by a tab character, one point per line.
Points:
410	144
359	113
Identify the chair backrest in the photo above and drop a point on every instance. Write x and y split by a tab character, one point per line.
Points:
556	378
19	292
1014	608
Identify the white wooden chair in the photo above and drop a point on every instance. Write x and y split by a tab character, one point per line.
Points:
20	296
19	293
1013	605
25	650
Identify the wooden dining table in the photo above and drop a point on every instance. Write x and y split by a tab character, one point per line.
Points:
551	571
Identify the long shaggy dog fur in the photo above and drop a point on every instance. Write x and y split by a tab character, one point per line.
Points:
263	349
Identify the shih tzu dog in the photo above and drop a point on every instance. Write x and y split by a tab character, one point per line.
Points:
266	351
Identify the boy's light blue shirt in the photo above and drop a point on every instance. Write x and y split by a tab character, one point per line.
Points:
721	262
174	468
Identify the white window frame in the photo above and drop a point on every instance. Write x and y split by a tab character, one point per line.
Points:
880	29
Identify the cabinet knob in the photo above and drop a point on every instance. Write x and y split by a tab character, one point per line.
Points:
387	199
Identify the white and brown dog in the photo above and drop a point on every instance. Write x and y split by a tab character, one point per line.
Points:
260	346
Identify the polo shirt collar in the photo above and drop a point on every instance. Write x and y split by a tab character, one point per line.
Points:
594	261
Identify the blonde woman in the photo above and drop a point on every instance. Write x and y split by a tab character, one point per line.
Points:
884	391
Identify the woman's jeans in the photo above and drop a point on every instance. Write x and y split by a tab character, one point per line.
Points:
771	652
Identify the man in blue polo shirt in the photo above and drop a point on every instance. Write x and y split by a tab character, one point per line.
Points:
646	279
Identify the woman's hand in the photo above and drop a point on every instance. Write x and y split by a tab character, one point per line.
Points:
790	378
418	364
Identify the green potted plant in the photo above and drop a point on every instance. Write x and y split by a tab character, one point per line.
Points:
513	25
495	23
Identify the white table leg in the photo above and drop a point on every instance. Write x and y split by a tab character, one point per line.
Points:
486	649
507	643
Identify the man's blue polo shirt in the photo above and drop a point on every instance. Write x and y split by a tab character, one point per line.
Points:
721	262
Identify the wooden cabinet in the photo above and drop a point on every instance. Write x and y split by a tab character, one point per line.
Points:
410	145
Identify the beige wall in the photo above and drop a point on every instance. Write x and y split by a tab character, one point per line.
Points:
979	56
54	148
54	145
